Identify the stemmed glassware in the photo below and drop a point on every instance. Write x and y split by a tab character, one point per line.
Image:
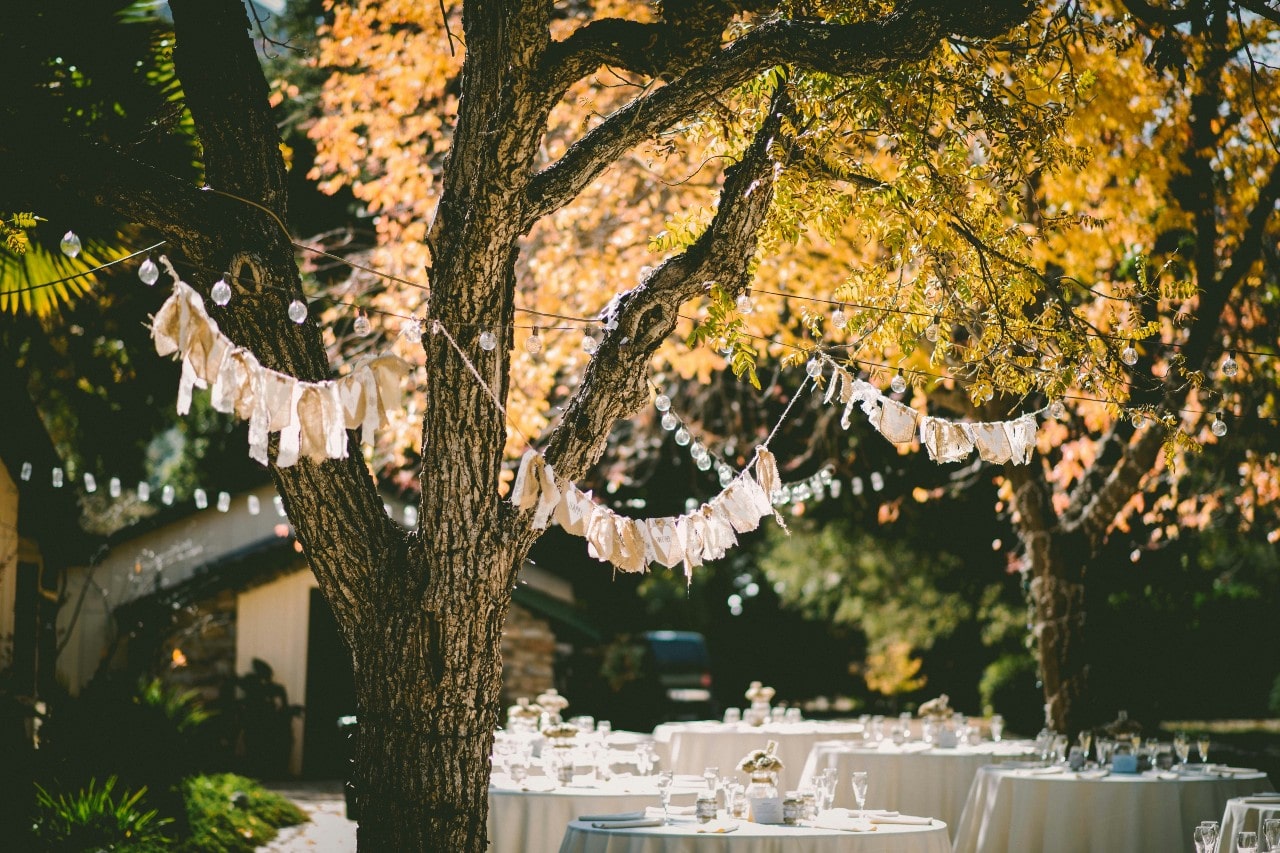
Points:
664	780
997	727
644	758
1105	748
1085	739
826	785
860	790
1246	842
1182	747
1202	747
1271	832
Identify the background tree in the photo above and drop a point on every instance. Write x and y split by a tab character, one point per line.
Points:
422	613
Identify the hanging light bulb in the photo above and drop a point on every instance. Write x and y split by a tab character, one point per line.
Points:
1230	367
70	244
1138	419
931	332
255	505
57	478
589	344
221	292
144	491
898	383
838	318
744	303
1129	355
683	437
1057	410
488	341
697	450
278	503
361	325
703	463
726	476
167	495
670	422
202	498
297	311
224	501
412	329
90	483
813	368
877	481
533	344
26	472
148	272
1219	426
662	403
113	487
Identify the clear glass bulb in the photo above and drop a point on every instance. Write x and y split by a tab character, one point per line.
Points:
698	450
590	345
412	329
149	272
167	495
202	498
683	437
361	326
1219	426
113	487
1137	418
533	344
297	311
221	292
90	483
224	501
26	472
662	403
703	463
57	478
813	368
898	383
726	477
70	244
931	332
488	341
1057	410
144	491
670	422
744	303
255	505
1230	367
838	319
1129	355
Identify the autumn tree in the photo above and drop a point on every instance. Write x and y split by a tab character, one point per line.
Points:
921	106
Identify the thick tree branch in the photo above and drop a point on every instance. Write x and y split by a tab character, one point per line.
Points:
615	382
870	47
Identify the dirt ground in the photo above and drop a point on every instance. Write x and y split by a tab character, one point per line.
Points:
329	831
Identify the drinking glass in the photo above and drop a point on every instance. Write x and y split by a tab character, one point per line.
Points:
710	775
860	790
1271	832
997	727
1104	749
644	758
1182	747
663	782
827	788
1202	747
732	716
1246	842
1209	830
518	767
1085	739
604	728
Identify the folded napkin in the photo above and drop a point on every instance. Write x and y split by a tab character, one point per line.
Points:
680	810
834	820
1041	771
1093	774
910	820
1162	774
635	815
626	824
718	826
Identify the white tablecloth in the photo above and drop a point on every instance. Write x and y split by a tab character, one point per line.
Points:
1015	811
913	778
531	818
1246	814
692	747
682	837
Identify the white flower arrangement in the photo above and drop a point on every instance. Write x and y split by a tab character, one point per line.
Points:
761	759
560	731
757	692
939	708
551	701
523	709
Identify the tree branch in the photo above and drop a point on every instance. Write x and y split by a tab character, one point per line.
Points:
869	47
614	385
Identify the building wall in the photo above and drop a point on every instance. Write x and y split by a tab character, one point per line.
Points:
272	622
528	655
8	562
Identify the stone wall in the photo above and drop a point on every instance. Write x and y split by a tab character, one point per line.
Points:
528	655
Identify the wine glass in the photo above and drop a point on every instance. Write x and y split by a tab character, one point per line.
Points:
1085	739
1209	831
710	775
1246	842
827	788
644	758
860	790
1202	747
663	782
1182	747
1271	832
997	727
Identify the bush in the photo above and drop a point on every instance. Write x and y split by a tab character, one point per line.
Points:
1008	687
232	814
91	819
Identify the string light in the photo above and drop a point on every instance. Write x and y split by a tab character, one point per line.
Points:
1129	355
898	383
813	367
744	303
488	341
361	326
670	421
57	478
1219	426
838	318
297	311
931	332
148	272
202	498
255	505
589	344
224	501
1230	367
144	492
70	244
90	483
167	495
662	403
1057	410
221	292
411	329
682	436
25	474
533	344
113	487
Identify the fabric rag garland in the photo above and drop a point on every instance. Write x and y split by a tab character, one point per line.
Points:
311	417
946	441
631	544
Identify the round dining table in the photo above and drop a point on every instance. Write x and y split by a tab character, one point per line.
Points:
1054	810
530	816
693	747
1246	814
912	777
683	836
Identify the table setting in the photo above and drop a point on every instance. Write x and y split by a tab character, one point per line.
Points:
1259	813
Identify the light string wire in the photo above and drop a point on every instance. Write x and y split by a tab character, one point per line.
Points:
595	320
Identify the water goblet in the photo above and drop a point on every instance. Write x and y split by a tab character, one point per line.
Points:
860	790
1202	747
1271	832
663	782
1104	748
1182	747
1246	842
644	758
827	788
997	727
1085	739
710	775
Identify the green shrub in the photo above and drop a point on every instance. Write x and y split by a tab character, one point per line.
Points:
1008	687
92	819
232	814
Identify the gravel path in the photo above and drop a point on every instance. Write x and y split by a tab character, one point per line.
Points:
329	831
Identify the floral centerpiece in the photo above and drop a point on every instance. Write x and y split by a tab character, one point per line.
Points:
551	703
938	728
759	696
761	760
523	716
559	758
763	765
936	709
559	734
